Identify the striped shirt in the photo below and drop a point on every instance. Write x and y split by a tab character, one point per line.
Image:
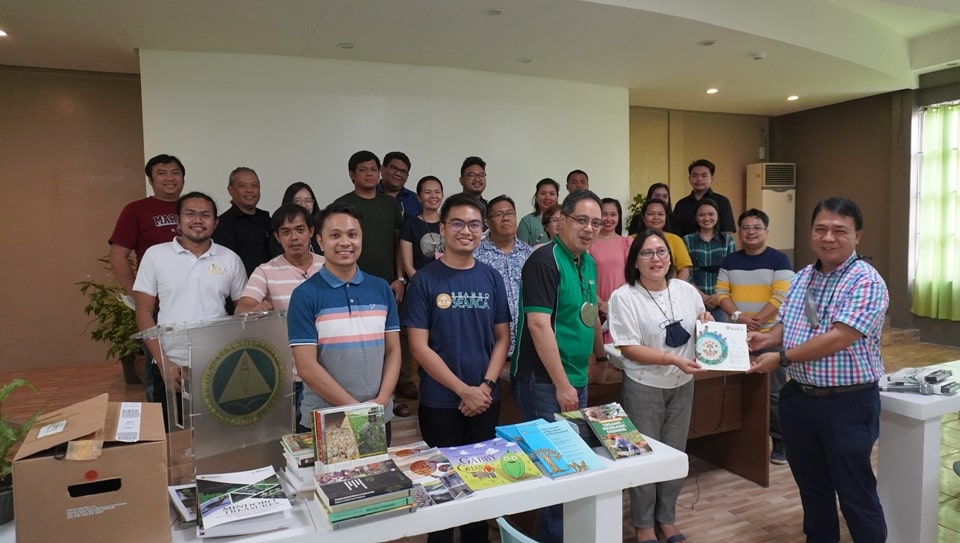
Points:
753	281
347	321
707	257
276	279
853	294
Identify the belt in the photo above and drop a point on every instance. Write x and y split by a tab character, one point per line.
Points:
823	392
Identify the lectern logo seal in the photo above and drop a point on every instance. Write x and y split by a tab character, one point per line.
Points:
242	382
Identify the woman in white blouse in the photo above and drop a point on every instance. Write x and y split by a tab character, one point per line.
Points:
652	321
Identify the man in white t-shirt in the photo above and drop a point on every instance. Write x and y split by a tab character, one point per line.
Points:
192	277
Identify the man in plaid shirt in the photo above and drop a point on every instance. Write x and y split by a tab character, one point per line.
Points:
829	328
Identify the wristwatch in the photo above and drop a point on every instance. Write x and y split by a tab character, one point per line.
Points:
489	383
735	316
784	361
403	280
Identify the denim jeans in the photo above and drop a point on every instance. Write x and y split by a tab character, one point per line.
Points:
538	399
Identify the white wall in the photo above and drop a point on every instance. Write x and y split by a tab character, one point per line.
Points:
299	119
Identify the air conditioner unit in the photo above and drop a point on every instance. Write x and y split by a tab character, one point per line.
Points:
773	175
771	187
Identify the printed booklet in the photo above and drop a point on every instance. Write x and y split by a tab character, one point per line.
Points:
243	502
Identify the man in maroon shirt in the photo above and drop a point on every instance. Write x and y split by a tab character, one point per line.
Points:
146	222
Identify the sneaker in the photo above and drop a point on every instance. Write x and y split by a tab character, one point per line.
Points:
778	456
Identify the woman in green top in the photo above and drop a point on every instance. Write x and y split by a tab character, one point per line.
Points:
530	230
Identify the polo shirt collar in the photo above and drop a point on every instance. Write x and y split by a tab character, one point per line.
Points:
336	282
567	252
842	268
211	251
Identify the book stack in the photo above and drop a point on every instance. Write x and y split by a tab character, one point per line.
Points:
241	503
491	463
363	493
298	451
355	481
555	446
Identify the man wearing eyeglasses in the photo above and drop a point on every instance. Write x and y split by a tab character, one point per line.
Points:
685	211
504	252
191	277
457	317
473	177
751	287
828	334
558	327
393	180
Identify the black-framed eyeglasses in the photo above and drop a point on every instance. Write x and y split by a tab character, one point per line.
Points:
509	214
475	175
400	171
661	253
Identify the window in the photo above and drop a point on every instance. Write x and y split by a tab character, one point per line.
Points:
936	286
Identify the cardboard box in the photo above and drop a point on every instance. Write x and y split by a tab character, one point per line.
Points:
94	471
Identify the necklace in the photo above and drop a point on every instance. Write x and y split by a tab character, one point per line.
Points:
671	318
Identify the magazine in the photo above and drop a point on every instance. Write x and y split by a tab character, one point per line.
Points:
491	463
722	346
616	431
240	503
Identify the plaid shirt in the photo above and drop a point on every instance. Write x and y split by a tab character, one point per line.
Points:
707	253
853	294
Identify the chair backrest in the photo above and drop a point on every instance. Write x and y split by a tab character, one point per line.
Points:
509	534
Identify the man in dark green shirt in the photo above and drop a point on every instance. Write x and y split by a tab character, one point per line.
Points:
558	327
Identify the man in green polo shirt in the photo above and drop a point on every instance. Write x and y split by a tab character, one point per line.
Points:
558	327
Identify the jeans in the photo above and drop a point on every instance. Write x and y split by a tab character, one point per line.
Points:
448	427
538	399
829	441
662	414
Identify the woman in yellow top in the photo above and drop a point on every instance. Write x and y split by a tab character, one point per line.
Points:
654	216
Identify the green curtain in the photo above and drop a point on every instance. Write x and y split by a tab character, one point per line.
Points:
936	288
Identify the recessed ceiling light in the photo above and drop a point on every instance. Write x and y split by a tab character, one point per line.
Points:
793	97
346	45
492	12
707	43
524	60
712	91
2	34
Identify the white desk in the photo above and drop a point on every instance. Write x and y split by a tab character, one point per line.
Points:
592	509
908	473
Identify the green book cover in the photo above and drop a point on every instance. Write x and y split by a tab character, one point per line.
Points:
616	431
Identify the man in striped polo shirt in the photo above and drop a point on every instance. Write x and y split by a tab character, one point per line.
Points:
343	324
271	284
751	286
829	333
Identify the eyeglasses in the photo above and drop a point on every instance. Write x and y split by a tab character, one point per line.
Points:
475	175
585	221
303	201
205	215
554	220
400	171
661	253
503	215
457	225
752	228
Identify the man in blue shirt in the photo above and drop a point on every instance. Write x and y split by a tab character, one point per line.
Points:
343	324
457	318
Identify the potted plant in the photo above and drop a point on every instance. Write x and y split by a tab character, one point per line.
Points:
115	322
634	207
10	433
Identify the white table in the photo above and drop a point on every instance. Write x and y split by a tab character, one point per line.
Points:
592	506
908	473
